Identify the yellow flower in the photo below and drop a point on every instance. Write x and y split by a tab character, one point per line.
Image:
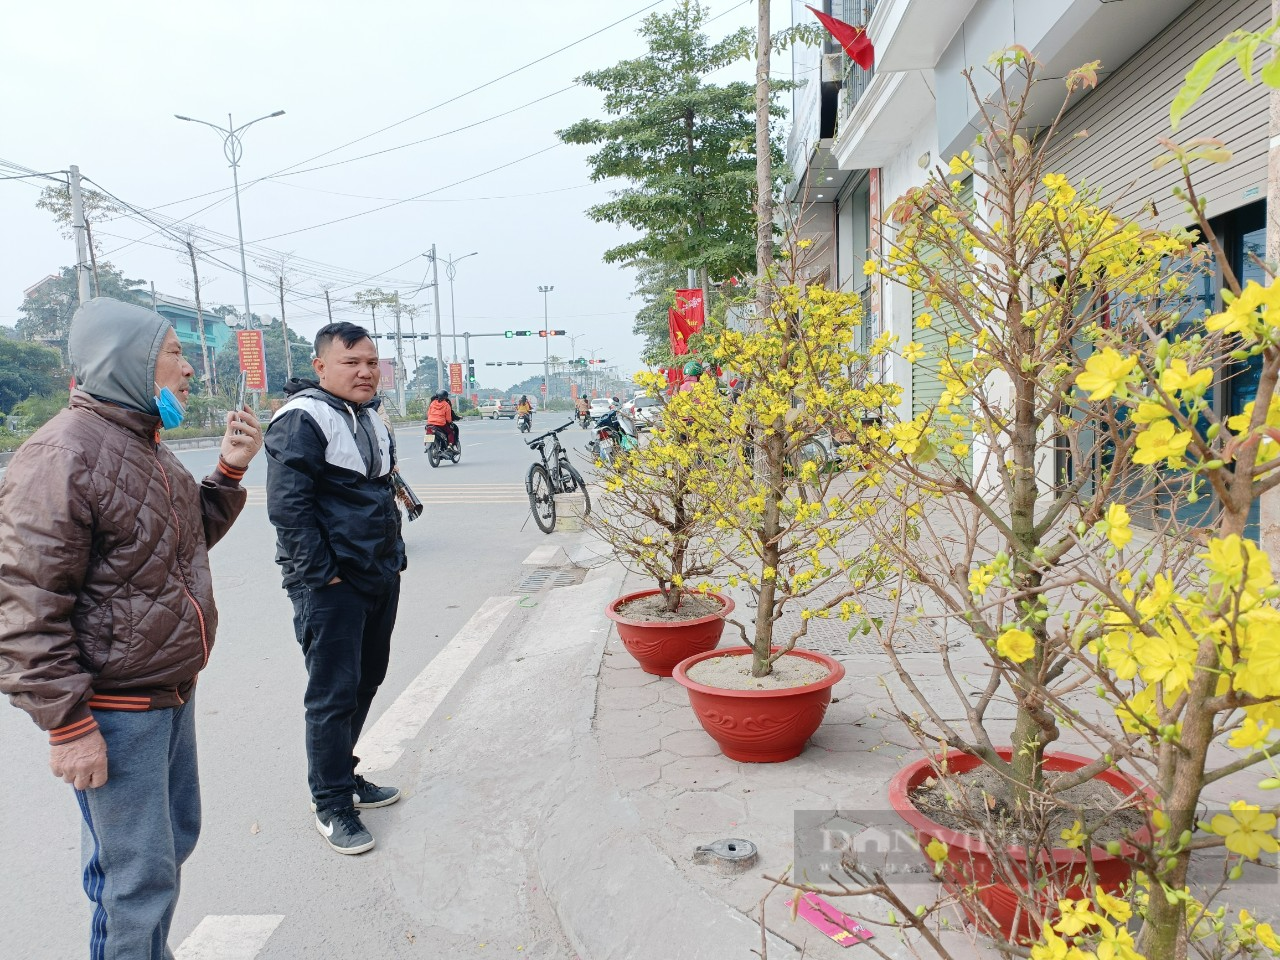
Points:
1104	373
1016	645
979	579
868	268
960	164
1177	378
1249	734
936	850
1162	441
1116	908
1150	413
912	352
1074	836
1117	525
1267	937
1075	916
924	320
1247	831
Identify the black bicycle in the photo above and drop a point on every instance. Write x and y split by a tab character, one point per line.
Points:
553	476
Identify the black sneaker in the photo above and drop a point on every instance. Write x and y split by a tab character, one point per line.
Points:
371	795
343	830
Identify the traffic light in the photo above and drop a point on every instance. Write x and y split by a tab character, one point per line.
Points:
509	334
524	333
542	333
471	372
557	333
581	362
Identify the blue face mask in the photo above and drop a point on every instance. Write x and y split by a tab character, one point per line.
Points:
171	411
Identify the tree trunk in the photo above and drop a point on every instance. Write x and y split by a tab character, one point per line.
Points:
764	159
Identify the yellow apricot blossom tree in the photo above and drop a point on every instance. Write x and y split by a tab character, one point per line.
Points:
783	507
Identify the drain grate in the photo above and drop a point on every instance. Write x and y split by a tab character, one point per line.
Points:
550	578
835	637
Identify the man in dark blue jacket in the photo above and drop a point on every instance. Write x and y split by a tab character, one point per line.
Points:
329	496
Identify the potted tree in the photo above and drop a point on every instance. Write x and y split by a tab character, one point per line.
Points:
653	514
1087	404
802	380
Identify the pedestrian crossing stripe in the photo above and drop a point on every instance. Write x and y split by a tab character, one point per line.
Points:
228	937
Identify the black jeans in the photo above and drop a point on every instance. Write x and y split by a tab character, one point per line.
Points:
345	637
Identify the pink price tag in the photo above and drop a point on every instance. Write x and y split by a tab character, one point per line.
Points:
840	927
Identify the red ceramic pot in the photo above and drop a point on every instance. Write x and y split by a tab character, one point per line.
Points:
760	726
659	645
969	862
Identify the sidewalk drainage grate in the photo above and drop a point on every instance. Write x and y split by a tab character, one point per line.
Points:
550	578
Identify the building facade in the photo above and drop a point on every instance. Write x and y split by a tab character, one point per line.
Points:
860	137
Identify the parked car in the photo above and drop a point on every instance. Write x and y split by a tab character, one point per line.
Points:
599	406
498	409
646	412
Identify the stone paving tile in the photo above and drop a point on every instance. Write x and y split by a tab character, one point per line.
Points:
629	678
681	719
673	693
634	773
632	698
691	743
776	806
625	721
706	814
700	773
621	744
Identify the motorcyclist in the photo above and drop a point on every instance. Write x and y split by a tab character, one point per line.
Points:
524	408
584	409
692	371
440	416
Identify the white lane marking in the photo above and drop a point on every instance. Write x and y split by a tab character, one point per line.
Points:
228	938
383	744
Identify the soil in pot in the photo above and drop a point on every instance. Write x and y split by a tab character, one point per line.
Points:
653	608
980	802
734	673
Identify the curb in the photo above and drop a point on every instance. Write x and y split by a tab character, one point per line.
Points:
615	893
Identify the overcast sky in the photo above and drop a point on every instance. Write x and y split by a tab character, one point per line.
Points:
98	85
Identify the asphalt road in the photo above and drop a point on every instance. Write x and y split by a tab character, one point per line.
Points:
259	854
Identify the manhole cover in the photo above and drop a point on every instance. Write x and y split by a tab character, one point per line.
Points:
550	578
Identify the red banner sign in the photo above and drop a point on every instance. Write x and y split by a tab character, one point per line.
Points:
573	391
455	378
386	374
685	319
253	359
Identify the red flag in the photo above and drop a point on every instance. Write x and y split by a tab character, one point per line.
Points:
853	39
685	319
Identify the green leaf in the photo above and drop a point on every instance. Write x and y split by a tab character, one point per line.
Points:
1199	77
1271	72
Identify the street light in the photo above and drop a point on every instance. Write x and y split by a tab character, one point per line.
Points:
450	269
233	149
546	342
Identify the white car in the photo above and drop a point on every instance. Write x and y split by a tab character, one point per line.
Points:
646	412
599	406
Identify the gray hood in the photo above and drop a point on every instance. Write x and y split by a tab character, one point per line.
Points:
113	347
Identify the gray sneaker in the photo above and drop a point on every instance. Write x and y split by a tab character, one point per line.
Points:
371	795
343	830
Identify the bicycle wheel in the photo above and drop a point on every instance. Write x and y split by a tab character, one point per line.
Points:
542	501
576	485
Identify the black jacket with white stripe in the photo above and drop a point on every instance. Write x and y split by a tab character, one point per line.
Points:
329	493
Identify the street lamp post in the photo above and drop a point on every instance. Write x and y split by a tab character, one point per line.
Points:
233	150
450	270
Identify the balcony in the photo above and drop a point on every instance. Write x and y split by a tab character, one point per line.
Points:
912	34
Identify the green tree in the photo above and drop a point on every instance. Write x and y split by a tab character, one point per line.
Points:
228	359
46	314
26	370
683	144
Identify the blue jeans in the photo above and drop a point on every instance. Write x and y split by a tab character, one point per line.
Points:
345	637
139	828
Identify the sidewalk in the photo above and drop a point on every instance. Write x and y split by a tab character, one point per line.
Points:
565	774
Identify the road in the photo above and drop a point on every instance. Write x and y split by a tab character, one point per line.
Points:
260	859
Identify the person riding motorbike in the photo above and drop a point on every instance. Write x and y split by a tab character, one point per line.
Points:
440	416
524	410
692	371
584	411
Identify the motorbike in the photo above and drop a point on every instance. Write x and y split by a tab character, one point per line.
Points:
438	447
584	419
524	422
614	433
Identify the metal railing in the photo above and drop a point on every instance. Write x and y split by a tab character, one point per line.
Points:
856	79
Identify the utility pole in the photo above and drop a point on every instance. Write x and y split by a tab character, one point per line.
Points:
329	307
153	295
284	330
210	374
435	295
78	224
466	346
399	359
546	342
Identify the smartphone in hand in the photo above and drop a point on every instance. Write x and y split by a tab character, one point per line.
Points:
244	378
